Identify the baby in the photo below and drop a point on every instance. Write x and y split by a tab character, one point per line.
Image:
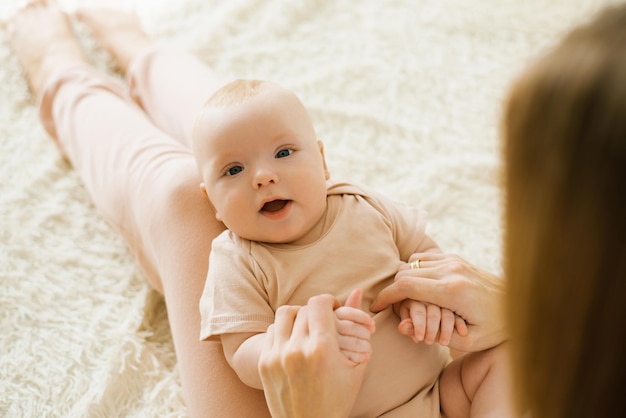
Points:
292	234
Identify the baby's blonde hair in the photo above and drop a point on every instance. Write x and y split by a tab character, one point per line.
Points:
231	94
235	92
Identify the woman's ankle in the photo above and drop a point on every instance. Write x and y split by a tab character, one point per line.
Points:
43	41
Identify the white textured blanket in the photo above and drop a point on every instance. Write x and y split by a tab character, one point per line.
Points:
406	95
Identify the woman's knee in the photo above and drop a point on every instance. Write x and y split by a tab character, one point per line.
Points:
182	199
183	211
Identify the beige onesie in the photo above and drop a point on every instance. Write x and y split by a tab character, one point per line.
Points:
364	241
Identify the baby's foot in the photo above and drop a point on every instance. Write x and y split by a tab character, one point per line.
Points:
43	41
118	32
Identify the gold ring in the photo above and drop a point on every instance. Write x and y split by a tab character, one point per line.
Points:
415	264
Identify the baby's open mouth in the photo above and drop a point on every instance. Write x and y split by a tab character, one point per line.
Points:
274	205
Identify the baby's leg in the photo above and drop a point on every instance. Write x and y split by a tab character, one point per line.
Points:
169	84
477	385
146	184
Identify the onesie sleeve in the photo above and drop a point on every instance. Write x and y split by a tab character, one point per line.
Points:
407	223
234	299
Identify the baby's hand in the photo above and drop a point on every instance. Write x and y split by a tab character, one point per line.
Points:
429	323
354	328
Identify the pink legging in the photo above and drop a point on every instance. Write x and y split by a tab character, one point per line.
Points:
131	147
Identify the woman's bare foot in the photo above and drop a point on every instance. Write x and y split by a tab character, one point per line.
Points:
43	41
118	32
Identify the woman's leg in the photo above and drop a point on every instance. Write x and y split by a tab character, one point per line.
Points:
169	84
146	184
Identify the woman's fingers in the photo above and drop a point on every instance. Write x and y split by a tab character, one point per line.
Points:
430	259
408	285
304	372
284	323
321	320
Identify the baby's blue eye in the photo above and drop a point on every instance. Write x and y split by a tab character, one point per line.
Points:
284	153
234	170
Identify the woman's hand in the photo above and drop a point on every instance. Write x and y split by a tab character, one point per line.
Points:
448	281
302	367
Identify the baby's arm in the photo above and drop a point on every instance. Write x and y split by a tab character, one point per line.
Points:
354	327
242	351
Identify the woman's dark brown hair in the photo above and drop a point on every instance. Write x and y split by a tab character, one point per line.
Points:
565	245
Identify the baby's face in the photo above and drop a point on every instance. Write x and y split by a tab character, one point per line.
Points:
262	167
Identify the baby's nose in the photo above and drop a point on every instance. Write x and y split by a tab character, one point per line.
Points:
264	177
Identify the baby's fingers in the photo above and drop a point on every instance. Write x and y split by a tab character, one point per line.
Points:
461	326
447	326
405	327
352	329
356	346
418	318
433	322
354	340
356	316
356	357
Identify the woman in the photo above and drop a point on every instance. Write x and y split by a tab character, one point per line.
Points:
565	139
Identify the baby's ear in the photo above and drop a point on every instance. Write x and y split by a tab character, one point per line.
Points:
203	188
320	144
